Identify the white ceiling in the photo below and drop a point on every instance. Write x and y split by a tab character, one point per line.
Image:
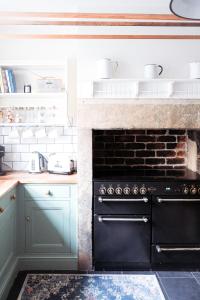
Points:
126	6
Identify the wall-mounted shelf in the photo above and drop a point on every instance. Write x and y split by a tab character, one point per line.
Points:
33	95
140	89
33	124
48	81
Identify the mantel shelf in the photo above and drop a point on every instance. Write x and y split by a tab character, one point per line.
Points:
140	89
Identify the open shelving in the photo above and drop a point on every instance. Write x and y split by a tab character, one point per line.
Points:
34	73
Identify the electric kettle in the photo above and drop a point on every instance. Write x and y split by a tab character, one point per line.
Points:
37	163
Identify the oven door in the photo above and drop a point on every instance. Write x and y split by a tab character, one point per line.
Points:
121	240
176	230
175	220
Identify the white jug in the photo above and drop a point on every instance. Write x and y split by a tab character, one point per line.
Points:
194	70
106	68
152	71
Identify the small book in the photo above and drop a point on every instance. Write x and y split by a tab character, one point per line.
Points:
1	81
5	82
12	80
8	81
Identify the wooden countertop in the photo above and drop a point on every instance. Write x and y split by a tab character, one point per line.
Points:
11	179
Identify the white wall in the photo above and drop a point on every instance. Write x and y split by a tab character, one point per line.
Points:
132	55
134	6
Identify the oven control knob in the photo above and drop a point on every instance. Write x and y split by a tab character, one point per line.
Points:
110	191
193	190
135	190
118	190
126	190
185	190
143	190
102	190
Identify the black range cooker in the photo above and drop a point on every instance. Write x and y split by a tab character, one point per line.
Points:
145	222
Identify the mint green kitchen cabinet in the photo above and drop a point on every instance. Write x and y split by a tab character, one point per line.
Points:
48	225
7	227
7	239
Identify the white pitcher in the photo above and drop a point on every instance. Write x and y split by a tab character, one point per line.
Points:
106	68
194	70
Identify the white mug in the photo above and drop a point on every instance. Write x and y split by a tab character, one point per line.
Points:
152	71
194	70
106	68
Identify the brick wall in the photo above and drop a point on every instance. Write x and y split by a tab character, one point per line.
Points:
139	149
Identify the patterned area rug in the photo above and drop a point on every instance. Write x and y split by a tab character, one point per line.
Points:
90	287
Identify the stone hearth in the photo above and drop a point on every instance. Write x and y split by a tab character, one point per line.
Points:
118	115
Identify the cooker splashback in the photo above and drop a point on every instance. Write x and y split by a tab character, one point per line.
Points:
126	150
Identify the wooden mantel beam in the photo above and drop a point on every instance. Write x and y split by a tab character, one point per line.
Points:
101	23
73	15
99	37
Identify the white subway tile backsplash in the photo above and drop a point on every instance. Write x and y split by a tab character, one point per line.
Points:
8	140
70	148
55	148
8	148
20	166
38	147
63	140
11	157
5	130
74	139
46	141
32	140
70	130
7	166
25	156
20	148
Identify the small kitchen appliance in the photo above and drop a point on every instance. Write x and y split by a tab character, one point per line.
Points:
2	152
60	164
37	163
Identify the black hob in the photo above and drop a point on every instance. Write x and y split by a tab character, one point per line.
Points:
142	182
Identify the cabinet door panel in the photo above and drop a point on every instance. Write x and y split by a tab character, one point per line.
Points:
7	234
48	226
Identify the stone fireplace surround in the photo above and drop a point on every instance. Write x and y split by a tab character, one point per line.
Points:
122	115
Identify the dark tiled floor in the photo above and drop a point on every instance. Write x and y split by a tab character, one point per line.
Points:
175	285
180	285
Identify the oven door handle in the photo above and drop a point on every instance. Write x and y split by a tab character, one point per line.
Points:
111	219
160	249
176	200
144	199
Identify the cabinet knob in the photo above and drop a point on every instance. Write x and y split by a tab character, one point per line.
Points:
13	197
27	219
49	193
1	210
